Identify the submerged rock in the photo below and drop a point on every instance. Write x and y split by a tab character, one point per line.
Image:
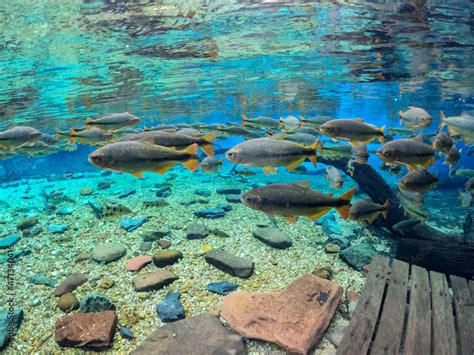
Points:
27	223
57	228
163	192
231	264
88	330
224	206
131	224
199	335
104	184
166	257
95	303
68	302
145	246
86	191
65	211
233	198
154	235
171	309
222	287
126	333
108	252
332	248
42	279
358	255
188	201
210	213
9	241
229	191
273	237
197	231
203	192
137	263
32	232
9	325
153	280
294	318
70	284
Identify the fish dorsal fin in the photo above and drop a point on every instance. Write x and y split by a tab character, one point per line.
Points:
138	174
291	219
358	119
418	139
303	183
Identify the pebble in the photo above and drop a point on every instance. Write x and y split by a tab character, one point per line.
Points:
68	302
85	255
137	263
27	223
153	280
126	333
95	303
167	257
164	192
70	284
145	246
103	185
105	253
132	224
233	198
210	213
9	241
228	191
197	231
206	248
42	279
323	272
165	244
106	283
57	228
231	264
32	232
272	237
9	325
86	191
358	255
202	192
65	211
171	309
222	287
188	201
155	235
332	248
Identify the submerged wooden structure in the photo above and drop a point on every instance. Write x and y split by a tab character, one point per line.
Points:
406	309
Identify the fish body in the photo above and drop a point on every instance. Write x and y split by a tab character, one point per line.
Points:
410	152
406	225
465	172
156	202
301	138
353	130
289	122
211	164
245	172
114	209
176	140
417	181
161	127
404	132
443	142
34	148
415	117
453	156
334	177
469	185
238	131
135	157
15	137
336	150
114	121
366	211
315	121
411	198
460	126
306	130
188	131
90	136
297	199
269	154
360	153
260	122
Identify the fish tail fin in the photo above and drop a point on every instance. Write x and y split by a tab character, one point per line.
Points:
191	164
220	161
280	123
385	206
210	137
344	210
382	136
442	117
72	131
88	120
401	116
191	149
302	121
208	149
244	120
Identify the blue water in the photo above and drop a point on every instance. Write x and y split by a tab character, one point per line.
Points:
212	62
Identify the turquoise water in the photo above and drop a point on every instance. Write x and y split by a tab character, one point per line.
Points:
203	65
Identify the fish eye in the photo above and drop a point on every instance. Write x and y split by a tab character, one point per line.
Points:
387	153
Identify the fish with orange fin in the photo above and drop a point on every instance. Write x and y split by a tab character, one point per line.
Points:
211	164
353	130
366	212
413	153
135	157
90	136
334	176
13	138
260	122
462	125
315	121
415	118
114	121
269	154
176	140
297	199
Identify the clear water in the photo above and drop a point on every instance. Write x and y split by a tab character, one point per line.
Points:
174	62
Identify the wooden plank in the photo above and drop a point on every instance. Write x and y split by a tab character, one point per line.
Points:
418	332
389	332
358	334
444	332
464	304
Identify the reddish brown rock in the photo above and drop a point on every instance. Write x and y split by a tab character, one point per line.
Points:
89	330
137	263
294	318
153	280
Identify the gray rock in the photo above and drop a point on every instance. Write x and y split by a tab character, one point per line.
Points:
203	334
145	246
231	264
273	237
70	284
153	280
233	198
105	253
152	235
188	201
229	191
197	231
203	192
358	255
9	324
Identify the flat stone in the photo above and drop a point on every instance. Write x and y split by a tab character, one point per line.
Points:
153	280
137	263
126	333
203	334
233	198
88	330
57	228
95	303
166	257
171	309
272	237
108	252
294	318
9	241
86	191
70	284
154	235
210	213
68	302
197	231
41	279
231	264
65	211
222	287
27	223
165	244
6	324
145	246
358	255
188	201
229	191
131	224
331	248
32	232
203	192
